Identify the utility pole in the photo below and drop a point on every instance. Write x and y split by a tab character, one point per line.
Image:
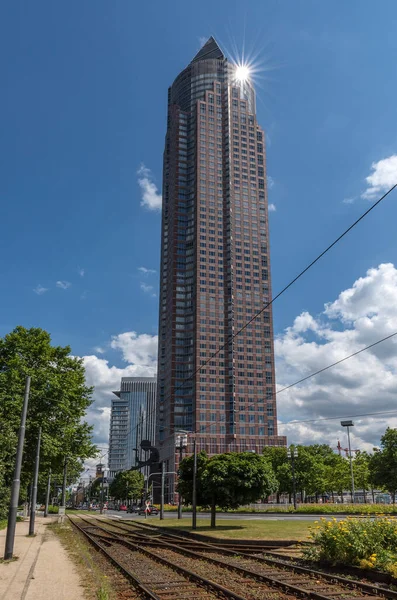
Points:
47	498
34	488
194	491
180	443
292	453
101	503
162	490
62	508
349	424
12	513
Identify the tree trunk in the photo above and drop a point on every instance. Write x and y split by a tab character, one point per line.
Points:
333	496
213	514
365	496
394	497
373	495
278	498
289	497
303	497
342	497
316	497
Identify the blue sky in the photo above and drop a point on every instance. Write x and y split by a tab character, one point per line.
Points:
83	105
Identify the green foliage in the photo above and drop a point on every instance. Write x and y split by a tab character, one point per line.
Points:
366	542
185	478
383	464
127	485
58	402
227	480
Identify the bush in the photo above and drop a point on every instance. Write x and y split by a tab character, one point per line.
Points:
366	543
350	509
52	510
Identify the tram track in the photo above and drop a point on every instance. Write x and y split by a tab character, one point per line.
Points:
255	575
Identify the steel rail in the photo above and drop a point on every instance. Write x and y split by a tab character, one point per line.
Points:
283	563
265	578
190	575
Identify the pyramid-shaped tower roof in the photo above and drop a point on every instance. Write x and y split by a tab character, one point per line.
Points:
210	49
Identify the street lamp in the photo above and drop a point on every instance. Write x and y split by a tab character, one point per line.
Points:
181	444
349	424
292	453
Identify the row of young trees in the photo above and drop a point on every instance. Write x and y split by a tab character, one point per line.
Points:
234	479
58	401
319	470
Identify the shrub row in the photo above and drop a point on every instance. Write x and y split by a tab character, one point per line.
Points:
310	509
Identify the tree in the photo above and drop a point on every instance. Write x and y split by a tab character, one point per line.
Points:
281	465
337	475
361	472
58	402
226	480
383	464
229	480
185	478
127	485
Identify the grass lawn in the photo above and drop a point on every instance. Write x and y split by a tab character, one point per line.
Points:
244	529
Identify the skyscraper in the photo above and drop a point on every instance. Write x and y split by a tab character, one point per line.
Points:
132	420
215	266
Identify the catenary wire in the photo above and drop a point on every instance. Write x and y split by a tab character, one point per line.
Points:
270	303
338	362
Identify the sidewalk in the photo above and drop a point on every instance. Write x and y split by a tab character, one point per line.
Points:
43	571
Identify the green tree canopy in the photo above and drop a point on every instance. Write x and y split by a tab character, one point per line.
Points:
185	478
228	480
383	464
127	485
58	402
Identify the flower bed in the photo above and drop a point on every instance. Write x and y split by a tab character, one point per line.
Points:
366	543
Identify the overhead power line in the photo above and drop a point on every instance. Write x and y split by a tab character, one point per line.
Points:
270	303
383	412
286	287
334	364
338	362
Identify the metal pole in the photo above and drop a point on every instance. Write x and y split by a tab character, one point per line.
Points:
35	480
101	503
47	498
146	494
351	464
12	513
63	497
194	490
162	490
179	494
293	477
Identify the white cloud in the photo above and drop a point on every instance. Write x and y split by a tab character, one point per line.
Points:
270	182
99	350
146	271
384	176
272	208
348	200
63	285
139	351
81	272
39	290
151	199
148	289
360	315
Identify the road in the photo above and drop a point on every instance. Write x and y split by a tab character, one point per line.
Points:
220	516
